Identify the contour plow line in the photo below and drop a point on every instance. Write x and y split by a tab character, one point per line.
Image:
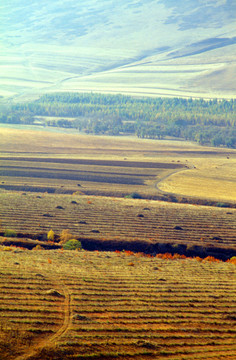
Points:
34	350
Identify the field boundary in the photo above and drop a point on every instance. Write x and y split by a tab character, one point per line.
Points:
160	196
114	163
90	244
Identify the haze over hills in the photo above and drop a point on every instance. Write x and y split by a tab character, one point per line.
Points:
161	47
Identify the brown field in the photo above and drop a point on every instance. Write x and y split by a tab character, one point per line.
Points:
114	305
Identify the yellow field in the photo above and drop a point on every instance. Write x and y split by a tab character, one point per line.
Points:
214	177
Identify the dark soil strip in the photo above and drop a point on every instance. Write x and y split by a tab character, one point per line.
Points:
74	176
48	170
28	241
42	189
98	162
159	248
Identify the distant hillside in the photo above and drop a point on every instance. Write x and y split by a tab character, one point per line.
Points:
165	47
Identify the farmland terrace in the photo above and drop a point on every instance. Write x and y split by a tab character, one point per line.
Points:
113	223
92	305
118	193
97	177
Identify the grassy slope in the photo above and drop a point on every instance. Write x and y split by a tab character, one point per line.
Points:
156	48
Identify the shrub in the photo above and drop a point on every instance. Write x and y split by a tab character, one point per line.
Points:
10	233
232	260
78	193
72	244
65	236
211	259
38	247
172	198
134	195
223	205
51	235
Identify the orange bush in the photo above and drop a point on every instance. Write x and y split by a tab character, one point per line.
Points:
128	252
232	260
197	258
178	256
211	259
165	256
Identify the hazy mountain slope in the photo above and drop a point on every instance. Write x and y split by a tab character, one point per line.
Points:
153	47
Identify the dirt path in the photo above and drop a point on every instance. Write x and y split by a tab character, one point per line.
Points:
67	318
34	350
190	166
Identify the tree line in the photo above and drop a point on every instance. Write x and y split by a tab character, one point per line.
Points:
209	122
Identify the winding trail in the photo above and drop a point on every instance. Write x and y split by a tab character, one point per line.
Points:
67	318
190	166
35	349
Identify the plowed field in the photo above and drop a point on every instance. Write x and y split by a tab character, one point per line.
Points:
119	220
109	177
91	305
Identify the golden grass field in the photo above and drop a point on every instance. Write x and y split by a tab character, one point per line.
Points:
115	305
92	305
213	177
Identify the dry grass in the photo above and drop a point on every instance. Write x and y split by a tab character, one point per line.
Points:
52	142
113	305
110	309
115	167
213	177
202	75
119	220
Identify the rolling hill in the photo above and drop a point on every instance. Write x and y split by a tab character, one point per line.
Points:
156	48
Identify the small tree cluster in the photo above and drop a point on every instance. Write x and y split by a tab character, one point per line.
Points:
51	235
65	236
134	195
10	233
72	244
